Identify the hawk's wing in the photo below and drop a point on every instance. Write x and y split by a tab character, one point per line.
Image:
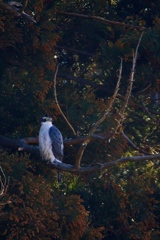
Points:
57	142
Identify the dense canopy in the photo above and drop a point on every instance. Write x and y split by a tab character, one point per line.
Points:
93	66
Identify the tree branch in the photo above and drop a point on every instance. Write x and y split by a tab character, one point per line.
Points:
20	145
23	144
122	111
133	145
90	169
101	19
58	106
96	125
130	159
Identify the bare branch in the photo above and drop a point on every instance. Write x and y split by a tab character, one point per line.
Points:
129	141
101	19
113	98
143	90
149	114
58	106
101	167
131	79
17	144
122	111
80	139
96	125
140	106
23	144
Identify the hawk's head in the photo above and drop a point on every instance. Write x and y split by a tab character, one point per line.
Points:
46	119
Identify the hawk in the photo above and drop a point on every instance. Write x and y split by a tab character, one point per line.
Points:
50	142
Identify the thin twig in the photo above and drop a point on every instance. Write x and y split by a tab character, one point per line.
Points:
147	111
24	5
101	19
3	182
96	125
129	141
143	90
128	94
122	111
58	106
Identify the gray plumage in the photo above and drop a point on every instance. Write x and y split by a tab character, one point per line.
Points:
57	142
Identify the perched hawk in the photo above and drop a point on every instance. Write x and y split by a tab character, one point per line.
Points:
50	142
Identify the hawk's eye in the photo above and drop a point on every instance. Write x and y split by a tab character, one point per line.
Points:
43	120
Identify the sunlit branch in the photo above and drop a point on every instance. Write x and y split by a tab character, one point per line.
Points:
122	111
58	106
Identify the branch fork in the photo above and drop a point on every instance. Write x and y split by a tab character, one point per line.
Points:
23	144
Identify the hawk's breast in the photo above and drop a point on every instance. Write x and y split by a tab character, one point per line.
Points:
45	143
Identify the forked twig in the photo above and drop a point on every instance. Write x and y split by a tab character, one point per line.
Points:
128	92
58	106
122	111
95	126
